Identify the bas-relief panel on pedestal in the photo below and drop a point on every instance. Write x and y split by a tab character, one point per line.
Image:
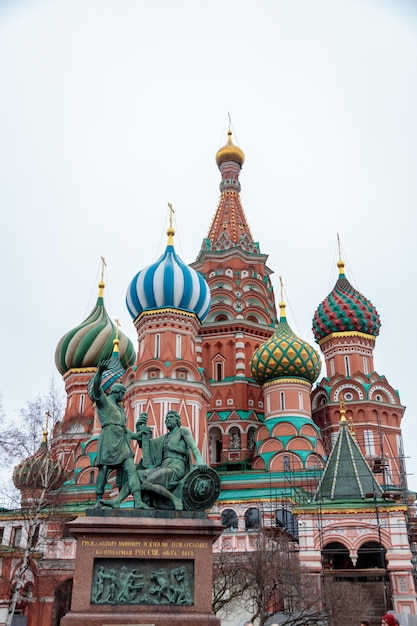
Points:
143	581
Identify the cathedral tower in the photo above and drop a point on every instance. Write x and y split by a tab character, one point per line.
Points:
242	316
346	325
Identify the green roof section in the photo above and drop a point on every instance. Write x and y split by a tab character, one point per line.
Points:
347	474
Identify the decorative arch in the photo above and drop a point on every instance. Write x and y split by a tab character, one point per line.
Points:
385	393
222	317
313	460
259	463
283	462
299	443
263	433
308	431
183	373
284	429
371	555
319	399
270	445
349	387
82	462
87	476
335	555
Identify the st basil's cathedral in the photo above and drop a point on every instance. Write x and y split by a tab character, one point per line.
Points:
320	459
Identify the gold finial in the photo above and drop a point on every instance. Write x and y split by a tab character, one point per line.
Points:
45	430
282	303
170	230
340	263
116	339
352	427
342	408
101	284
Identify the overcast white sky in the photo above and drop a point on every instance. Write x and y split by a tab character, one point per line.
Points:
109	110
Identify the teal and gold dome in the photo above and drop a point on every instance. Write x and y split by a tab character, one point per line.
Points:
92	341
284	355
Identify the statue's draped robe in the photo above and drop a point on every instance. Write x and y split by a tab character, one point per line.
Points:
114	440
171	453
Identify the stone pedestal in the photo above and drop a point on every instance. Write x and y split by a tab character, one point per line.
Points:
141	568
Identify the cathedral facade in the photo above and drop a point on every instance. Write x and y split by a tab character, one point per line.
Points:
320	459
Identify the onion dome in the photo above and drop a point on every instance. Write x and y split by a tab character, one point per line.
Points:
39	471
284	355
345	310
168	283
113	374
92	341
230	152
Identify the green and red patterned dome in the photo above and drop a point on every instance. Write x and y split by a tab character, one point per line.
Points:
92	341
345	310
285	355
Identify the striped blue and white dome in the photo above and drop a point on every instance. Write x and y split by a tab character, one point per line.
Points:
168	283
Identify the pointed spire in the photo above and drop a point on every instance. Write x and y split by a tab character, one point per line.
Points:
229	227
116	339
170	229
101	284
340	262
45	430
342	408
282	315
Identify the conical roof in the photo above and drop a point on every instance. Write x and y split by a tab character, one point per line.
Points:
345	310
229	227
347	474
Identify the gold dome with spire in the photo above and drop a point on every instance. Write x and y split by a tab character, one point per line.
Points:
230	152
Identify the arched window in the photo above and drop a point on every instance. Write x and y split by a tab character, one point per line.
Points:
336	556
282	400
216	445
219	370
347	366
81	403
157	346
234	439
300	401
365	365
251	440
178	347
252	519
371	555
229	519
